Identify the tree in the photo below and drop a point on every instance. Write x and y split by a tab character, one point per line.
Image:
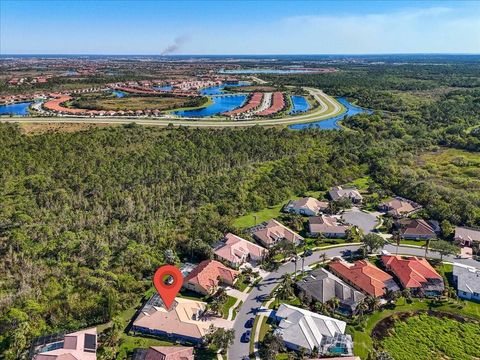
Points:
334	303
396	238
447	228
354	234
444	248
407	295
285	290
373	242
271	345
220	337
373	303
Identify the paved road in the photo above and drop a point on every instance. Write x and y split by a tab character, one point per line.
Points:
363	220
257	296
320	113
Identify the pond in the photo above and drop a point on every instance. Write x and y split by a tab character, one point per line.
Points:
220	104
218	90
164	88
265	71
300	104
15	109
332	123
119	94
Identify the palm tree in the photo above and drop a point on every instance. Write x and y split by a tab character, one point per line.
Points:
427	245
362	307
285	289
407	294
396	238
373	303
334	303
323	257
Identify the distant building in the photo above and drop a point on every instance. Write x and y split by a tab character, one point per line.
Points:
364	276
466	236
417	229
183	322
208	275
467	281
399	207
303	329
308	206
80	345
327	226
321	285
164	353
236	251
415	274
272	232
338	193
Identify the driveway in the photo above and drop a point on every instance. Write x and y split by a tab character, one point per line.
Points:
253	303
363	220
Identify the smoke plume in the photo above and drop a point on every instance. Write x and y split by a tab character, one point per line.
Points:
177	44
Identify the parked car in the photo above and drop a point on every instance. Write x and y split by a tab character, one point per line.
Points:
308	252
246	336
249	323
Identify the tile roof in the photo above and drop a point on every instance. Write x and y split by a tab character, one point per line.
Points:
169	353
339	192
412	272
463	233
364	275
309	203
468	279
326	224
209	273
236	249
180	320
399	206
75	347
414	227
274	231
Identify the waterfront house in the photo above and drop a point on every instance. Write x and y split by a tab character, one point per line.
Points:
338	192
208	275
327	226
272	232
321	285
308	206
415	274
236	251
80	345
364	276
305	330
467	281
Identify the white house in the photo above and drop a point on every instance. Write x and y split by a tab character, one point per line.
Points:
468	282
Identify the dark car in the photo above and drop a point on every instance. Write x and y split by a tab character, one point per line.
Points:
308	252
249	323
246	336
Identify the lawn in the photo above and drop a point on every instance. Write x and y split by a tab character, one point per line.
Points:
432	338
271	212
360	183
363	342
228	304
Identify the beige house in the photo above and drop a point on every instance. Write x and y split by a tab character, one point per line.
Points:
338	193
308	206
327	226
80	345
466	236
399	207
208	275
272	232
236	251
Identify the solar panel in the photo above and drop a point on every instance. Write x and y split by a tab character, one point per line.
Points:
90	342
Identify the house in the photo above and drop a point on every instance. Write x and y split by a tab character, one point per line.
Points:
80	345
236	251
164	353
182	322
417	229
364	276
399	207
303	329
466	236
337	193
467	281
321	285
308	206
207	276
272	232
327	226
415	274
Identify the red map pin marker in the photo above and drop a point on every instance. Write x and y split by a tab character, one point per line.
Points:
168	290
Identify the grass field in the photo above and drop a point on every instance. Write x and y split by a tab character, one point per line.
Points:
431	338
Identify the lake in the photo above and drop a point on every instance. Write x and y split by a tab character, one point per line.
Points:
218	90
300	104
220	104
331	124
15	109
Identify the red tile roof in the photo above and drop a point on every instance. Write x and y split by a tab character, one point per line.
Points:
364	275
411	271
252	104
209	273
278	103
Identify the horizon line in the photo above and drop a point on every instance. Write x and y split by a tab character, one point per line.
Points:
266	54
